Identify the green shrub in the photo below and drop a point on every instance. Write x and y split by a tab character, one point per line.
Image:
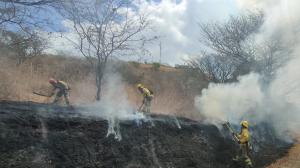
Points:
155	66
135	64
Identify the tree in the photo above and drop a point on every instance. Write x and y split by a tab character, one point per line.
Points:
104	29
27	47
230	51
22	13
231	39
23	17
273	54
22	46
234	49
216	68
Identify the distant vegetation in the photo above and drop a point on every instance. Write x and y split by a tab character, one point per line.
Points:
229	50
174	89
155	66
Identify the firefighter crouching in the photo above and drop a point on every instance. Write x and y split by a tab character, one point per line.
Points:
147	98
60	88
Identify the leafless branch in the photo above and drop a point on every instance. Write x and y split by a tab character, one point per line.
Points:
104	30
227	39
216	68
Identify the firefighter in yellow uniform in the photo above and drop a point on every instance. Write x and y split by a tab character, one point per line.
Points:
60	88
147	98
244	137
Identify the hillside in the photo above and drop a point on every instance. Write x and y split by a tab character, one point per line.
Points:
290	160
174	88
40	135
37	134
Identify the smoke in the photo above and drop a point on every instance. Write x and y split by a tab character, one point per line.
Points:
285	97
277	103
114	100
114	105
231	102
281	19
248	99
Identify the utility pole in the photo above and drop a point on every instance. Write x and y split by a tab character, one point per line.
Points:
160	52
160	47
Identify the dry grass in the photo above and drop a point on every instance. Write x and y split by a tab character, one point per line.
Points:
171	97
171	94
163	68
291	160
18	82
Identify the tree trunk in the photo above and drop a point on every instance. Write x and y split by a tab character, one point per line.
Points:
99	77
98	93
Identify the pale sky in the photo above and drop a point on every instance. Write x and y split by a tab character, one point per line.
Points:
175	21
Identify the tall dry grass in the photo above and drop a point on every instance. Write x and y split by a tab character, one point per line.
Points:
172	96
18	82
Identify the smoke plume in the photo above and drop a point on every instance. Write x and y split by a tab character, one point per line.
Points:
114	105
278	103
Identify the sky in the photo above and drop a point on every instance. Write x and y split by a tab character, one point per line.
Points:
175	21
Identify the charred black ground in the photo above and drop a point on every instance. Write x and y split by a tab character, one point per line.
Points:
38	135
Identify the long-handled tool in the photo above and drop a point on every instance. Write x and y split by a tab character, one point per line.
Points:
40	94
231	130
140	108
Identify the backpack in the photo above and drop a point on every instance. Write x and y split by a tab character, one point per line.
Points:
151	92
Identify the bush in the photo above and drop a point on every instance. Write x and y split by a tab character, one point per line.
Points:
155	66
130	73
135	64
5	86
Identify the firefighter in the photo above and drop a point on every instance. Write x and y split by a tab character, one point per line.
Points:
60	88
147	98
244	137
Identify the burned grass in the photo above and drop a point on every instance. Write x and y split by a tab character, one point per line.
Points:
39	135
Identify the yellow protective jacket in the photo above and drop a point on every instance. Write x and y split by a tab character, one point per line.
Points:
62	85
244	136
146	93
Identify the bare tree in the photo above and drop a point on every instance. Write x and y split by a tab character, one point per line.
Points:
22	14
273	54
21	19
216	68
232	46
105	29
228	39
22	46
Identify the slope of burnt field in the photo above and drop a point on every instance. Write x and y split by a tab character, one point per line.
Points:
37	135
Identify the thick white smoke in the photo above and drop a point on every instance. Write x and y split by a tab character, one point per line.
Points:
231	102
279	102
114	105
248	99
113	100
285	97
